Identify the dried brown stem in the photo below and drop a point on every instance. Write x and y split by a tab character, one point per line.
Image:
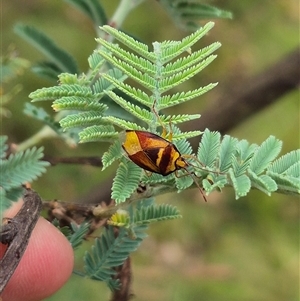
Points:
16	233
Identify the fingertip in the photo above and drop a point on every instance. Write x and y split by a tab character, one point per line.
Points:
45	266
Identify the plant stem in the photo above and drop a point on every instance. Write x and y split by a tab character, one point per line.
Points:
125	7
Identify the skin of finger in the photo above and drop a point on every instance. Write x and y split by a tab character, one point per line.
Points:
45	266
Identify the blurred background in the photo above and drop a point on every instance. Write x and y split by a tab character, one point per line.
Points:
226	249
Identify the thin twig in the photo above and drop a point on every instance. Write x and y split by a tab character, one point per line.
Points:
93	161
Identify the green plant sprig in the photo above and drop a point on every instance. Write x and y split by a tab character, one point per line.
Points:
225	162
16	170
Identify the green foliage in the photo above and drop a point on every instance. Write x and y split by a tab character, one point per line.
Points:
114	153
91	8
40	114
286	172
78	233
21	167
229	162
114	246
218	163
185	13
16	170
83	93
155	213
157	71
126	180
144	216
75	234
243	166
59	60
209	148
110	251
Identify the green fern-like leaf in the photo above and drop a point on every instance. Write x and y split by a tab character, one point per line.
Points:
139	63
137	111
133	92
180	77
126	181
245	151
22	167
264	183
157	178
140	48
75	103
182	145
103	84
286	172
113	284
265	154
227	149
85	119
209	148
282	164
168	101
186	62
175	119
241	184
185	135
16	170
95	62
111	251
53	93
114	153
98	133
97	263
242	158
66	78
140	77
123	124
286	183
294	170
172	51
155	213
148	70
78	234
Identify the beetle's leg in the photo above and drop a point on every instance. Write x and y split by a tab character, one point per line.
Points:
194	177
